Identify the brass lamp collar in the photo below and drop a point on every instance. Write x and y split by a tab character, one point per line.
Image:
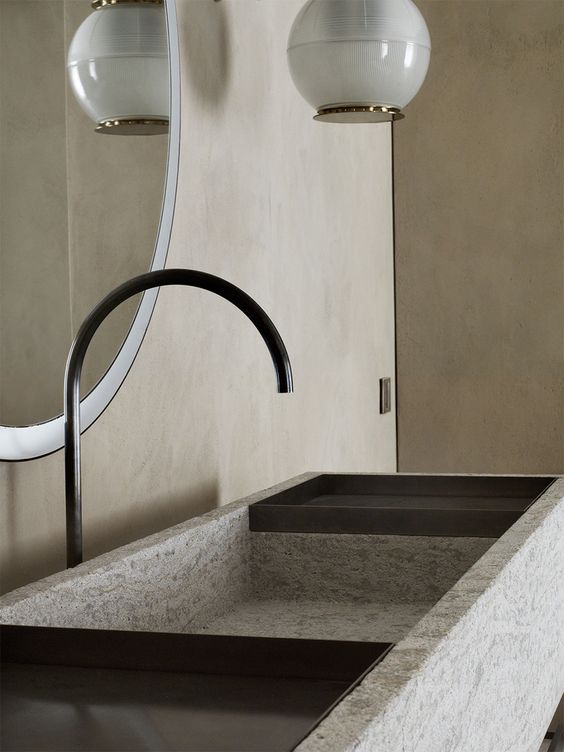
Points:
358	113
97	4
133	126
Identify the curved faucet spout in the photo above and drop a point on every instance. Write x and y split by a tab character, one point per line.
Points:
77	353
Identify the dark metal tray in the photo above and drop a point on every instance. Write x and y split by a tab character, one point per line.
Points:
99	690
470	506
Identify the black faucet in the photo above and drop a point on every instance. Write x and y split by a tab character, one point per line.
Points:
80	345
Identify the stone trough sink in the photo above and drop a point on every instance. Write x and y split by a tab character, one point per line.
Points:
330	613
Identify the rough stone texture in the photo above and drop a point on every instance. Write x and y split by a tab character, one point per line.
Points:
298	214
364	568
484	670
176	580
320	620
479	196
212	574
350	587
484	667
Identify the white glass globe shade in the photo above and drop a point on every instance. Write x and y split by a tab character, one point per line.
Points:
118	68
350	57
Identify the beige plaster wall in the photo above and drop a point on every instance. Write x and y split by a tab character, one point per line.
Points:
79	212
479	243
298	214
34	276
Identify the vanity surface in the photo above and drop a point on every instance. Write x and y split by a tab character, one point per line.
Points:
470	617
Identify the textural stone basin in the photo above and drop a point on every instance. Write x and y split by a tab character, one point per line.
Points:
214	575
461	610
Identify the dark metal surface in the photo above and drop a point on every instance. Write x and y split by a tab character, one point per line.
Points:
71	689
385	395
166	651
162	278
557	740
470	506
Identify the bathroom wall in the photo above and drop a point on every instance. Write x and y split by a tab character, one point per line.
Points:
79	212
33	210
479	243
297	213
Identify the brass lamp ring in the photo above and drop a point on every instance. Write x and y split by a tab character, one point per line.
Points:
97	4
358	113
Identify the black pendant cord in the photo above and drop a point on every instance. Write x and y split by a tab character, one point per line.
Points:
162	278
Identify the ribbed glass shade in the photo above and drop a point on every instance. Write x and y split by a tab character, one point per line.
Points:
118	68
359	60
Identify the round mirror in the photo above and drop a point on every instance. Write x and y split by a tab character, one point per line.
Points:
85	203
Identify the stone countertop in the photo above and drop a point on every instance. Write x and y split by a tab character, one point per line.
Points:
481	670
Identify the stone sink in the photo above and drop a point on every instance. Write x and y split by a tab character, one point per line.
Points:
475	620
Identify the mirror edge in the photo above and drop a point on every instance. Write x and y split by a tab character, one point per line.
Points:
20	443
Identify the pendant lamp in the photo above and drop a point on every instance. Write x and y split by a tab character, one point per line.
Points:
118	67
358	61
